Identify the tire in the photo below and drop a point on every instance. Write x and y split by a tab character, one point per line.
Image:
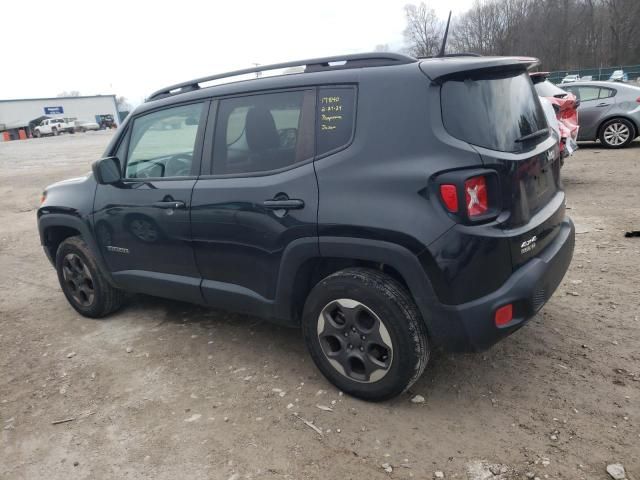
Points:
54	132
350	320
617	133
36	134
85	286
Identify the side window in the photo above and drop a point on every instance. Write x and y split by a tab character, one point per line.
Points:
585	94
607	92
162	143
336	112
263	132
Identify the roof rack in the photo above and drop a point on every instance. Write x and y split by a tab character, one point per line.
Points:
357	60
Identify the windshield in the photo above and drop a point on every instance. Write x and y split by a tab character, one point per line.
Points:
494	112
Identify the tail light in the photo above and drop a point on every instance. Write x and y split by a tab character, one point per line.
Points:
475	192
449	195
504	315
638	99
479	189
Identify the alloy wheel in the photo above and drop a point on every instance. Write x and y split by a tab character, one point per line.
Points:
616	134
355	340
78	280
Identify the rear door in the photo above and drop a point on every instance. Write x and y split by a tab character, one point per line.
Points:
595	104
142	224
257	195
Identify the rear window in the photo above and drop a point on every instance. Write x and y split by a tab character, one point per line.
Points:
492	112
548	89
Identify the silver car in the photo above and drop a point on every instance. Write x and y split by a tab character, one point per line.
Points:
608	111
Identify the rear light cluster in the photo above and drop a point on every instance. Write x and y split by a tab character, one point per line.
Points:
475	197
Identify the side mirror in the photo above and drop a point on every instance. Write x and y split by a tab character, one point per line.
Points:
107	170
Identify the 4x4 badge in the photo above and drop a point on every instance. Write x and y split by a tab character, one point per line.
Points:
528	245
117	249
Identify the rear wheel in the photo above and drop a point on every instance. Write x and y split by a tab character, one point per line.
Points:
82	282
617	133
365	334
54	131
36	134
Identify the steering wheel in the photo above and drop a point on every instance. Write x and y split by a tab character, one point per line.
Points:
178	165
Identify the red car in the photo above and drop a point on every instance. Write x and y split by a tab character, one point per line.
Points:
565	106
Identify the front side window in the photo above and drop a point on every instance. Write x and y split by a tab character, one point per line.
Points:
263	132
162	143
492	110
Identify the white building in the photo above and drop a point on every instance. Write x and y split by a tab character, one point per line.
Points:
24	114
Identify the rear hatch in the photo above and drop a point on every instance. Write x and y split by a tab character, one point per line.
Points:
495	109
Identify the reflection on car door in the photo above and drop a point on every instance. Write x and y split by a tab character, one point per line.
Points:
142	224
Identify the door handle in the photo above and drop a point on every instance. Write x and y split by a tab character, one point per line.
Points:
174	204
283	204
603	105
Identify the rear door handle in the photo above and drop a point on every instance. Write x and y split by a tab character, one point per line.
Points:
173	204
283	204
603	105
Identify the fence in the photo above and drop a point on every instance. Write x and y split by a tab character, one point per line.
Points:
603	73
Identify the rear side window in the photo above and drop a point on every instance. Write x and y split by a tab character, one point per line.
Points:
263	132
607	92
336	112
492	112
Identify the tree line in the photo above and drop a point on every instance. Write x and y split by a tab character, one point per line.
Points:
563	34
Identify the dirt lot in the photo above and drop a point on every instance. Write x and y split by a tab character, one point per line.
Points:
166	390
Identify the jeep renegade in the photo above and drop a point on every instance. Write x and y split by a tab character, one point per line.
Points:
386	205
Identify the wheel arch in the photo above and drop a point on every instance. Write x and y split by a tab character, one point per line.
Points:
54	228
304	266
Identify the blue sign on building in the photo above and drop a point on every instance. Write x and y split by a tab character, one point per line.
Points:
53	110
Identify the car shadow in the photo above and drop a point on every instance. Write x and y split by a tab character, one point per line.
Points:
449	377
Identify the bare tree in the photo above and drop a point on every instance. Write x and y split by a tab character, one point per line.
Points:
72	93
423	34
123	104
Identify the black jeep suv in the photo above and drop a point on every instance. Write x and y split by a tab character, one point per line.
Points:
385	204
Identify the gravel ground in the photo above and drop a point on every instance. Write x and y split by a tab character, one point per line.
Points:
167	390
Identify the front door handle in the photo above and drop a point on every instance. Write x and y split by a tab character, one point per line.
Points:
173	204
283	204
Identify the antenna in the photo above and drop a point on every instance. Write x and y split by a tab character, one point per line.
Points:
444	40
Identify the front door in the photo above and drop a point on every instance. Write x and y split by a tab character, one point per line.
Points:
142	224
260	196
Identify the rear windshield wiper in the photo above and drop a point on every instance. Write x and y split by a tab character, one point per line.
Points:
533	135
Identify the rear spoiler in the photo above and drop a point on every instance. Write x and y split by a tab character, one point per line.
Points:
438	69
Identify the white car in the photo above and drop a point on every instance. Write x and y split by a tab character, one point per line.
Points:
83	126
53	126
570	79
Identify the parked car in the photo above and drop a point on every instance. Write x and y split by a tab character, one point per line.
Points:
84	126
386	205
570	79
53	126
608	111
619	76
565	108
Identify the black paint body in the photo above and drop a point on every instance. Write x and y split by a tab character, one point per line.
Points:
373	203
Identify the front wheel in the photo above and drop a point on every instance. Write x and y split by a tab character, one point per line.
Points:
617	133
37	134
365	334
82	282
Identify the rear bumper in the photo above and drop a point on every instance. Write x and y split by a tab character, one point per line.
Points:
470	326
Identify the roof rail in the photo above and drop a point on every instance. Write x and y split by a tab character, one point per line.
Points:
462	54
357	60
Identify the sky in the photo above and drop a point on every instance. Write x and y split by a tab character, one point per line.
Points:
133	47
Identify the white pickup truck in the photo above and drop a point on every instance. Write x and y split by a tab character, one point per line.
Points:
54	126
